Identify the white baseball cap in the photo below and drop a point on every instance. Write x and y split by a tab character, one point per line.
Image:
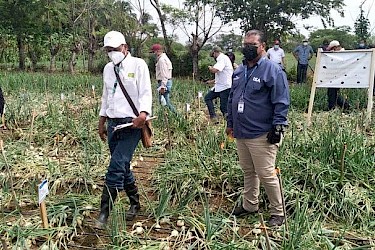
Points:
334	43
114	39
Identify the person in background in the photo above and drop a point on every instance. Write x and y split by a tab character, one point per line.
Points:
276	54
334	99
325	45
223	71
257	117
232	58
362	45
115	110
303	53
163	69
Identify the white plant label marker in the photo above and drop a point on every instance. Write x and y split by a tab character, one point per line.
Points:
42	193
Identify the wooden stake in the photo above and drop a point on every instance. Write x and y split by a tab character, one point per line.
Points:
43	214
264	228
278	173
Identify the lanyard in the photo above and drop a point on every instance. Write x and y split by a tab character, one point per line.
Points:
247	80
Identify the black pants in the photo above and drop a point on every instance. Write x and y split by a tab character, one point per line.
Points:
211	95
335	99
2	102
301	73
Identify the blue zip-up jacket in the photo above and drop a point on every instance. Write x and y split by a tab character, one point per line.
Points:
266	99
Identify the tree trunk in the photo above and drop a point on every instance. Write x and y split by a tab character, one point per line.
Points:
21	52
156	5
75	50
53	50
92	45
194	50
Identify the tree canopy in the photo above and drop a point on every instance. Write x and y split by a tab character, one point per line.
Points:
276	17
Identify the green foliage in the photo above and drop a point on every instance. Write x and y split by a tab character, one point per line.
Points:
361	26
341	34
275	17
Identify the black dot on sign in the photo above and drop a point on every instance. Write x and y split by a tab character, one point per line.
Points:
358	82
357	59
321	80
331	60
324	67
342	82
364	67
345	75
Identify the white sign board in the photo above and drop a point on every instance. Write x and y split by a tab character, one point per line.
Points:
42	191
344	69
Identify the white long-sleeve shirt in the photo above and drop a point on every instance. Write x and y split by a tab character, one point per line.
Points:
163	69
223	78
135	77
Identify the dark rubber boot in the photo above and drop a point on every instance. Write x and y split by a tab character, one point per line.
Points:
108	198
132	192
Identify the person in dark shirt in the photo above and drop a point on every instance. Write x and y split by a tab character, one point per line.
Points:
257	117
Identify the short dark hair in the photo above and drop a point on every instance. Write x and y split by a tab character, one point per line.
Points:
257	33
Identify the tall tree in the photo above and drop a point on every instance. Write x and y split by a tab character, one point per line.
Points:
276	17
362	25
201	15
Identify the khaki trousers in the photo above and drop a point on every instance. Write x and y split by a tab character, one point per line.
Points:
257	160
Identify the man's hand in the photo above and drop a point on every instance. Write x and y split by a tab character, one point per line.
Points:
275	135
229	132
139	122
162	90
101	128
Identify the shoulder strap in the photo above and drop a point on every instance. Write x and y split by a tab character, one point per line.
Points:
130	101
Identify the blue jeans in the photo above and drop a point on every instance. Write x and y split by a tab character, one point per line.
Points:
166	95
301	73
122	145
211	95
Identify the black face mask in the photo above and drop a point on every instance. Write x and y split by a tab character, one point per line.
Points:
250	52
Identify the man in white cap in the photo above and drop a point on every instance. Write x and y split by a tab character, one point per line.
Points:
334	98
115	110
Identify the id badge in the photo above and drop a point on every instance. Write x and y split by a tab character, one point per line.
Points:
241	106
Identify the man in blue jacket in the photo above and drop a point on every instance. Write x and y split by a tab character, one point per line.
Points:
257	117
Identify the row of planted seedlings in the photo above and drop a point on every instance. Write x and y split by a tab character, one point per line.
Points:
51	133
199	166
203	164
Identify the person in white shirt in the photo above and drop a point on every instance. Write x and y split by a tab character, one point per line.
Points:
276	54
116	110
223	71
163	70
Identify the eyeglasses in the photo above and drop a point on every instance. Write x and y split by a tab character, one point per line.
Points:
252	44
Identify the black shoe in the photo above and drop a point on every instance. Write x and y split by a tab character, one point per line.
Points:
276	220
239	211
108	198
132	192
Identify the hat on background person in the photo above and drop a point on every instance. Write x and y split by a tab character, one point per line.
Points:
114	39
333	43
276	42
156	47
